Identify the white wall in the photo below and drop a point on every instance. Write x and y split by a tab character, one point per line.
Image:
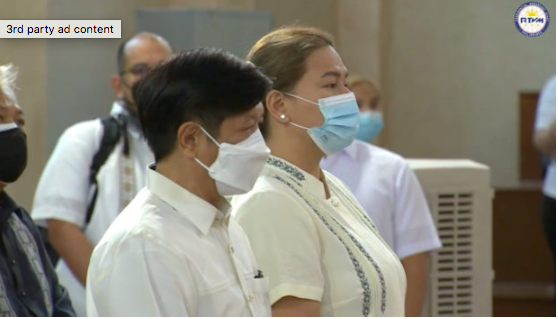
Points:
453	73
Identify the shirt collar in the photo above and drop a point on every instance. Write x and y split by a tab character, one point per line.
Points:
352	150
7	206
306	180
199	212
133	126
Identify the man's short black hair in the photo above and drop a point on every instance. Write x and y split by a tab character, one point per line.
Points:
203	85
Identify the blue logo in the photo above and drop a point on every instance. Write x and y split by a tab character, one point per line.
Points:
532	19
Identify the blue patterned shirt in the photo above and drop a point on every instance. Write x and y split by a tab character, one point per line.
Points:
28	283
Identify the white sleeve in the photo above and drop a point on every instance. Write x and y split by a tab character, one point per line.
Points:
546	107
63	190
285	242
415	231
141	279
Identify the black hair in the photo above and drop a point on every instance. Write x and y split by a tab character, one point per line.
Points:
203	85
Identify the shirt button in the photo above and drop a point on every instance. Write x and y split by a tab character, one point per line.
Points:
250	298
231	250
23	294
335	202
13	262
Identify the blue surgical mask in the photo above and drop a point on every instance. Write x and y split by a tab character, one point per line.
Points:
340	122
370	124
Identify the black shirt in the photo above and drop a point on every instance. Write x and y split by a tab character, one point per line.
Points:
28	284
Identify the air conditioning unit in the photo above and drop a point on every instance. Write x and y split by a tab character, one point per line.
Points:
460	200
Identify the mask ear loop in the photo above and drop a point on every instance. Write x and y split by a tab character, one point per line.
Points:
299	126
202	164
209	135
214	141
301	98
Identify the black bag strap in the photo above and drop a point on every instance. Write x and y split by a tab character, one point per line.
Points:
113	128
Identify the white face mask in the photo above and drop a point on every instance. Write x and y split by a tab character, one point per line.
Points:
238	166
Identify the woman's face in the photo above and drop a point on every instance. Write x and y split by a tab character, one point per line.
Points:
325	76
368	97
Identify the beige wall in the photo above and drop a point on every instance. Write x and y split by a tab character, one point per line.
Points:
359	36
317	13
359	41
453	72
450	71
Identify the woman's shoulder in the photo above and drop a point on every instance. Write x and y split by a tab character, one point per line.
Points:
267	188
272	195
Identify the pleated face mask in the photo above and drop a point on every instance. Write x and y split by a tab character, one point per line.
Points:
237	166
341	118
370	125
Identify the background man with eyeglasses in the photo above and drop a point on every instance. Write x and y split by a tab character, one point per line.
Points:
66	188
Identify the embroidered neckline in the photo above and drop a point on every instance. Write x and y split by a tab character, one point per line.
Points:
365	285
286	167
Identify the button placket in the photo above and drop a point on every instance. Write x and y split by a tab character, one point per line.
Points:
244	282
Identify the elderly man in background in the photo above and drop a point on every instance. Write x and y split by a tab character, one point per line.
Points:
96	169
28	284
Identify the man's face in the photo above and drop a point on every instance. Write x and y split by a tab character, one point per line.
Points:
10	112
233	130
140	56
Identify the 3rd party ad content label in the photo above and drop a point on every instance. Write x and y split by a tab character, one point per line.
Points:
60	29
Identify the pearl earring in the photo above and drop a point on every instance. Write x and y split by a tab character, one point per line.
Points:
283	116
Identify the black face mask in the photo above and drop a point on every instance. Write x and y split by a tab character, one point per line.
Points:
13	154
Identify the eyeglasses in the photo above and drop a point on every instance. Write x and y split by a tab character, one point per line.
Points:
138	70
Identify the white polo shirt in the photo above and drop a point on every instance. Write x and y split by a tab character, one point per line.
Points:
170	253
389	191
64	189
318	248
546	114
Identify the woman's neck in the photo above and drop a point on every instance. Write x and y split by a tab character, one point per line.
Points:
306	157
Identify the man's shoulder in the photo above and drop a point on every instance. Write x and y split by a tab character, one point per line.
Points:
133	222
149	223
85	133
367	151
88	127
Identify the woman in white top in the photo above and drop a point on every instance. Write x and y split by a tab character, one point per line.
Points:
320	251
389	191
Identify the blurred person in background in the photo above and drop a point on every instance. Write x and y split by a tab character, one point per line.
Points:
389	191
96	168
28	284
544	139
